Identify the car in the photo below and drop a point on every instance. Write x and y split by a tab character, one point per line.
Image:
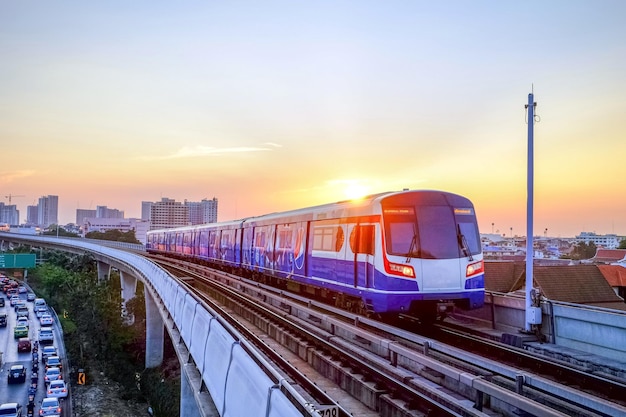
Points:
30	296
1	301
46	335
52	374
3	319
22	311
40	311
22	289
46	320
23	345
11	410
57	389
14	299
19	304
50	406
20	331
17	374
22	321
54	362
40	302
48	351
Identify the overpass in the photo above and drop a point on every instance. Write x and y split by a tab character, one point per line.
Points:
218	367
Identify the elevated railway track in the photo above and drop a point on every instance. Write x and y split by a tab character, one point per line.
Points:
391	370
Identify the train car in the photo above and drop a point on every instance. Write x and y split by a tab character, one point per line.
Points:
413	252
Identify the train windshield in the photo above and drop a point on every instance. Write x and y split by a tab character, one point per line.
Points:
431	232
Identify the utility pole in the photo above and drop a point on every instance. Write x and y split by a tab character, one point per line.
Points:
533	306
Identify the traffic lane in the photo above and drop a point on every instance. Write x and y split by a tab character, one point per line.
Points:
19	392
10	356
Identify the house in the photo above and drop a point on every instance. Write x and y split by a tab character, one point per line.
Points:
577	284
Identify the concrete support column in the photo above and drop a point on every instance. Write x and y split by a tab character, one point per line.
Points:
128	283
104	271
155	332
188	404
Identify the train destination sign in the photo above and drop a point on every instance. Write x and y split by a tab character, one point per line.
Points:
17	260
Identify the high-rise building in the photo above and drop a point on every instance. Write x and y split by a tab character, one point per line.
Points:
202	212
9	214
145	209
32	216
103	212
82	214
168	213
48	211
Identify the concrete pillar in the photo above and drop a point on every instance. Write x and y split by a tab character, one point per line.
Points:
188	405
155	332
104	271
128	284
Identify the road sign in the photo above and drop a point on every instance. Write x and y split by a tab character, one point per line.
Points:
81	378
17	260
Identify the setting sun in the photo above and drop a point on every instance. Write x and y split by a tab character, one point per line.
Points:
355	191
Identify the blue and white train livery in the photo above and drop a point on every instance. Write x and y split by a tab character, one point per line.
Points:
413	252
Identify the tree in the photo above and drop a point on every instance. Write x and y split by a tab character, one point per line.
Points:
584	250
114	235
56	230
622	244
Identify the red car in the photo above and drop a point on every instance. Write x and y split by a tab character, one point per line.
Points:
23	344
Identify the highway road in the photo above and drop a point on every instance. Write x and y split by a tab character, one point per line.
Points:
10	356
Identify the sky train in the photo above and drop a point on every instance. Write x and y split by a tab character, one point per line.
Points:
412	252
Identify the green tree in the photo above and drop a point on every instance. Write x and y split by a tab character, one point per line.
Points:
56	230
114	235
622	244
584	251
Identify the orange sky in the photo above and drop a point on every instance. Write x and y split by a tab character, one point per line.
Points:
284	106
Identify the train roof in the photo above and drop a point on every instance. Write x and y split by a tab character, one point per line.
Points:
328	210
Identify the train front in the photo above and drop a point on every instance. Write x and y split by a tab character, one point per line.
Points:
433	258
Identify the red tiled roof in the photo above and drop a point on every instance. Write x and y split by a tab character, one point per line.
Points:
579	284
615	275
609	255
501	276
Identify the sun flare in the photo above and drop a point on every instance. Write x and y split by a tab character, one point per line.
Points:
355	191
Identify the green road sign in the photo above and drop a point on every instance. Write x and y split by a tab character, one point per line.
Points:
17	260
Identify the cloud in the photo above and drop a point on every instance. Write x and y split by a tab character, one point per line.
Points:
196	151
9	177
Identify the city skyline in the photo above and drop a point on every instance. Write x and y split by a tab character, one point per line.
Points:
280	106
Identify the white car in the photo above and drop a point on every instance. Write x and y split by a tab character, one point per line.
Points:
50	406
46	335
52	374
46	320
22	321
47	351
41	310
57	389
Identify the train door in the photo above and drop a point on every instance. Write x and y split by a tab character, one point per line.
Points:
362	245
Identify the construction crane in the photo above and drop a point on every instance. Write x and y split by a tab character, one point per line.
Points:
10	196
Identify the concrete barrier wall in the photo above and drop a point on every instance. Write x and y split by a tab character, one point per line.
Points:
593	330
238	385
590	329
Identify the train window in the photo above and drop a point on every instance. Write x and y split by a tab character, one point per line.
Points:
437	232
259	239
284	237
362	239
328	238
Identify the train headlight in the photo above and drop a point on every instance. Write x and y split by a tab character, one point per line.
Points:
474	269
402	270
